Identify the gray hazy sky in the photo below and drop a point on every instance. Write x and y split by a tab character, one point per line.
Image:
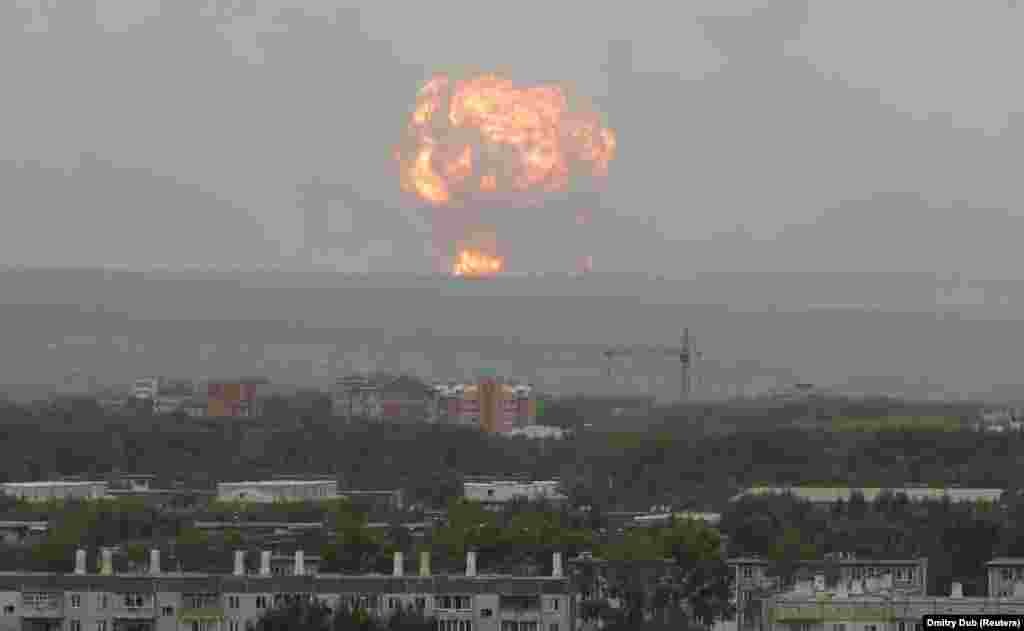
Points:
803	126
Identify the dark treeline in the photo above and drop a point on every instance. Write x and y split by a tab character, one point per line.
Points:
672	461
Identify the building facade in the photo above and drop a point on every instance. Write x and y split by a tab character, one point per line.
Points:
230	399
497	493
55	490
157	601
489	404
752	585
812	609
394	399
268	491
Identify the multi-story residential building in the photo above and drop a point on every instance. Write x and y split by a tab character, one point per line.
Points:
1004	574
157	601
398	399
494	494
231	399
752	584
875	606
55	490
488	404
267	491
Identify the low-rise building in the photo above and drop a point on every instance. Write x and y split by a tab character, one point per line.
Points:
494	494
176	601
55	490
826	496
535	432
267	491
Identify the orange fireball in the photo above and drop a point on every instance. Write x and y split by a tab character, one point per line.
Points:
486	135
474	263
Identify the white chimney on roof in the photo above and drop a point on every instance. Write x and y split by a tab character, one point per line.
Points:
107	562
239	563
154	561
957	591
265	563
471	563
424	563
556	564
399	564
300	564
80	561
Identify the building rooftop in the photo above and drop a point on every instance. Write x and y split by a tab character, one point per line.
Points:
834	494
510	483
269	483
43	484
1006	561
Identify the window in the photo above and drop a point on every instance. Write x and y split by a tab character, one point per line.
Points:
553	626
486	613
8	609
233	602
748	572
233	625
421	603
103	601
554	604
911	573
902	626
509	625
76	625
871	627
168	611
76	601
101	625
528	626
261	602
133	600
393	603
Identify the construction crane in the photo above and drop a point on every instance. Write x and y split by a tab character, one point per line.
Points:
686	352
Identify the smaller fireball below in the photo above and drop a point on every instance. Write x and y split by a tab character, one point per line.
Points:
477	264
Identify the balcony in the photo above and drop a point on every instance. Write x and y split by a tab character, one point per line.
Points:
42	606
133	606
201	613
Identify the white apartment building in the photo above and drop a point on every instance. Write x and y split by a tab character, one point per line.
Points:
268	491
56	490
500	492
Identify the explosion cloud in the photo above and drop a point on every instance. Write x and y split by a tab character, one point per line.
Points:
486	141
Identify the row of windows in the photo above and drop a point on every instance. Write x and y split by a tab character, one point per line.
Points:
1009	573
36	600
900	626
900	573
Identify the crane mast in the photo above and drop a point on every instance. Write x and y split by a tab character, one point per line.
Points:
686	352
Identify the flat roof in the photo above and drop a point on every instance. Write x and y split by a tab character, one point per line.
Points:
30	485
763	561
509	483
279	483
832	494
1006	561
